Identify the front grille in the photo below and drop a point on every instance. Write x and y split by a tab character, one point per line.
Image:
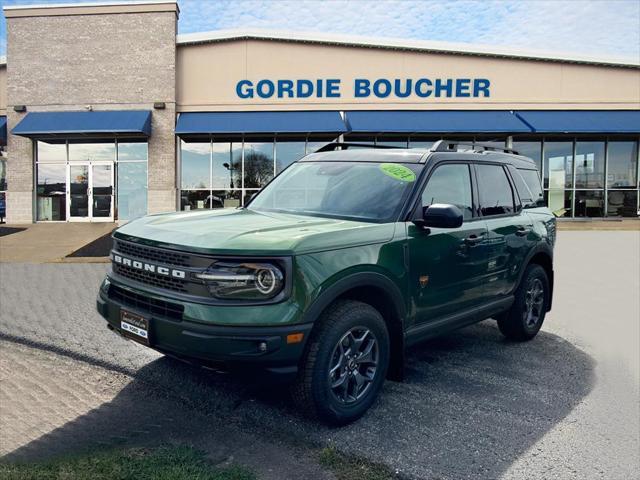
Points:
146	304
150	278
165	257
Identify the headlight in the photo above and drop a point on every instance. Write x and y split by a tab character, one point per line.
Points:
243	280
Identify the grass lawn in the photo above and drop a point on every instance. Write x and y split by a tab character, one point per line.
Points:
348	467
164	463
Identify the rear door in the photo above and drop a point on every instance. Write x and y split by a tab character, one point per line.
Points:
445	264
509	229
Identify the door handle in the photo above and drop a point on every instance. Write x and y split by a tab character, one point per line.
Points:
523	231
473	239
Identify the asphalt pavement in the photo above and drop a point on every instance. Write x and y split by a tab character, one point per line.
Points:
565	405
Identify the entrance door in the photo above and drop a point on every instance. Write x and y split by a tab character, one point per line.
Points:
90	191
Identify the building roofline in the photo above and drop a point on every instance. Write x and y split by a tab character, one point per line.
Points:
401	44
91	8
88	4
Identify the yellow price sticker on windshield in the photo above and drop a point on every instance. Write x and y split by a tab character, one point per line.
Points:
399	172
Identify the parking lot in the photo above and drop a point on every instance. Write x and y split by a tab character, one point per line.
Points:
565	405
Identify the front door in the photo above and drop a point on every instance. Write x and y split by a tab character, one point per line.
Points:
90	192
447	264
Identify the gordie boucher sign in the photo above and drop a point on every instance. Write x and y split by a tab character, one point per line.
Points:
366	88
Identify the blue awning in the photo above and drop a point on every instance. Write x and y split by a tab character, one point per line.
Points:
205	123
435	121
582	121
3	130
59	124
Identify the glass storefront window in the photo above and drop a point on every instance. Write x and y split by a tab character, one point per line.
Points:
287	153
194	199
533	150
3	174
622	203
314	146
223	168
258	164
589	203
589	165
131	151
226	198
622	167
51	192
132	190
558	165
392	141
92	152
559	202
196	159
52	152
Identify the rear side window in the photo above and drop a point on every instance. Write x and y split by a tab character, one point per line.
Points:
496	196
450	183
532	180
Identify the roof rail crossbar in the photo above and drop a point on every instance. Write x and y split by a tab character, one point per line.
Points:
330	147
452	146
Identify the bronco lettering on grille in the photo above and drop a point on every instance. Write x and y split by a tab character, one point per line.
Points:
148	267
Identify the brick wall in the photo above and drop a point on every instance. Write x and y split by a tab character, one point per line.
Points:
108	61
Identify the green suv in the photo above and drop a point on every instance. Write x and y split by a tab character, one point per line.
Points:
345	259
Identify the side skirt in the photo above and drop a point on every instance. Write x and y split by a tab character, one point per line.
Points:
424	331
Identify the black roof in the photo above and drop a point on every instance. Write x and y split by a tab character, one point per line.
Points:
416	155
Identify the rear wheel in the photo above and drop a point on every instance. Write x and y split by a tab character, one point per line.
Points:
525	317
345	363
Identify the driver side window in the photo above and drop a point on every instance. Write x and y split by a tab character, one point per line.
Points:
450	183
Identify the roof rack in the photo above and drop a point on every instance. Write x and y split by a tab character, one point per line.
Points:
452	146
330	147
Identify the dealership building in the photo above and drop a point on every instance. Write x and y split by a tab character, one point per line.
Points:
107	114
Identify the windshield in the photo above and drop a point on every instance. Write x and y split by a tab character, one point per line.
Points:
371	192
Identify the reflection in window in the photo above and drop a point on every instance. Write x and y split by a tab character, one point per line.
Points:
132	190
558	164
222	166
533	150
129	151
589	165
314	146
589	203
258	164
196	159
622	203
52	152
92	152
51	189
287	153
623	165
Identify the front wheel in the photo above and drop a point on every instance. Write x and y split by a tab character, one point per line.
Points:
345	363
525	317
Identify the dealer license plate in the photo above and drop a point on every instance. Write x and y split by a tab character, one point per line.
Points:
134	326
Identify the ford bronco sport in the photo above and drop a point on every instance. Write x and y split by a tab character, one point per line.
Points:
336	266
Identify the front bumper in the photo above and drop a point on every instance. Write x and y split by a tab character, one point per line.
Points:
222	347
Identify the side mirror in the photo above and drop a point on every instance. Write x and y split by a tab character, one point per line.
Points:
440	215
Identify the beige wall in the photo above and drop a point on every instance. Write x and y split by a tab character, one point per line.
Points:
207	75
110	61
3	90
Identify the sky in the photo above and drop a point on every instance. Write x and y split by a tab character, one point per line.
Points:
603	28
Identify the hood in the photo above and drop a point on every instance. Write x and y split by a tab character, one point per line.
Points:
248	232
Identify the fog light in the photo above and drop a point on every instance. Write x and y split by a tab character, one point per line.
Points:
262	347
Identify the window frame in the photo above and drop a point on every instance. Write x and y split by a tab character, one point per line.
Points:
517	204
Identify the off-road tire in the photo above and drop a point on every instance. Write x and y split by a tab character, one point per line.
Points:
311	390
513	323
